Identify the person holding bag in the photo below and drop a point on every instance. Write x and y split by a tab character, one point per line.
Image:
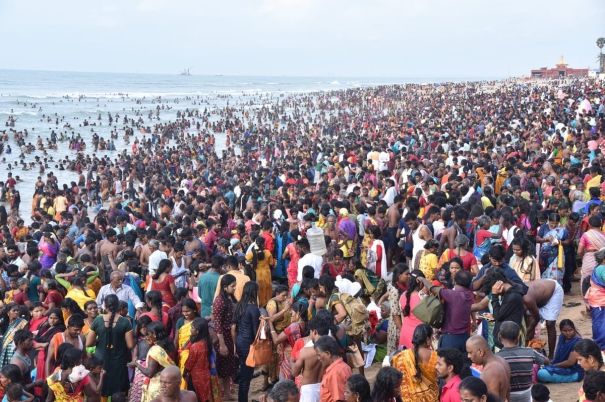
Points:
245	324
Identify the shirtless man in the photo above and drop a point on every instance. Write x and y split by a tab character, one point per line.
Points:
109	246
170	383
393	217
334	232
459	226
307	363
496	371
544	300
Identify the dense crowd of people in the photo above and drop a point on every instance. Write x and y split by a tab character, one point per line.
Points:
452	221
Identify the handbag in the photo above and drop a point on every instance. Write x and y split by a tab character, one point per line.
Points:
430	311
261	350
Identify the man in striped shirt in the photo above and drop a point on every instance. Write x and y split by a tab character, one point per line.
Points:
521	362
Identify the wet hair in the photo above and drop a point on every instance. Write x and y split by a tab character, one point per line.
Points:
497	252
162	340
494	275
112	304
594	382
155	298
453	357
586	348
386	381
413	285
301	308
323	323
359	385
476	386
70	359
422	333
249	296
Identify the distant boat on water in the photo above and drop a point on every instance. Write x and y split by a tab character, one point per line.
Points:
186	72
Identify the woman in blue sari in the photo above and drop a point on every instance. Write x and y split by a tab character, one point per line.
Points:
553	237
282	241
595	298
11	323
564	367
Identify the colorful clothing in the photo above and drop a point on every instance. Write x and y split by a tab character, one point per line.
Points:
61	394
595	298
374	285
427	263
367	240
8	346
423	389
263	276
293	264
593	239
293	333
226	365
151	389
552	258
184	331
200	377
393	331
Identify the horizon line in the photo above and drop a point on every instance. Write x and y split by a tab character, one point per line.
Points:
329	75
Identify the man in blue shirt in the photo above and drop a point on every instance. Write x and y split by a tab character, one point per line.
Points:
496	257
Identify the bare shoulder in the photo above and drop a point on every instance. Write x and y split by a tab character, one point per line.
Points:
187	396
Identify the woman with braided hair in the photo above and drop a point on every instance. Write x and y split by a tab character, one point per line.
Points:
112	335
419	382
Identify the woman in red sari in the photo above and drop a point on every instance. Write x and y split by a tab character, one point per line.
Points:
291	253
286	339
53	325
200	365
164	282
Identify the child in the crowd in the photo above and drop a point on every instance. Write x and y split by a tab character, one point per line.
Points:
540	393
117	397
96	375
16	393
37	310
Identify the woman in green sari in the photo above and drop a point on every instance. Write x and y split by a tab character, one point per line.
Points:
11	323
372	286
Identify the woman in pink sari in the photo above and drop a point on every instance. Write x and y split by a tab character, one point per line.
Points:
291	253
591	241
50	248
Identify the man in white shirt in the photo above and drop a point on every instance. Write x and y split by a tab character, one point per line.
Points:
308	258
156	256
390	194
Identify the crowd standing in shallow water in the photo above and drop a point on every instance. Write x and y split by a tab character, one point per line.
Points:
429	227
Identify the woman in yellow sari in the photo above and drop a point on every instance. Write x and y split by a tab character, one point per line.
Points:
157	360
367	238
183	334
419	383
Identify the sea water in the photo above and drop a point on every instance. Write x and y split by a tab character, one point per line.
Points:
72	97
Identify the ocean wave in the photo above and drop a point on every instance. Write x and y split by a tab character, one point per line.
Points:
335	83
18	113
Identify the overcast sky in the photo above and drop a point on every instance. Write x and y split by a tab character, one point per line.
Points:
377	38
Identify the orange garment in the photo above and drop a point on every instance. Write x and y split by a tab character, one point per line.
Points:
333	382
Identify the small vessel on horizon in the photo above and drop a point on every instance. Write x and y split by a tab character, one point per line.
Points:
186	72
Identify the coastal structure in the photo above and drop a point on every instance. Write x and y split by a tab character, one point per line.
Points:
561	70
